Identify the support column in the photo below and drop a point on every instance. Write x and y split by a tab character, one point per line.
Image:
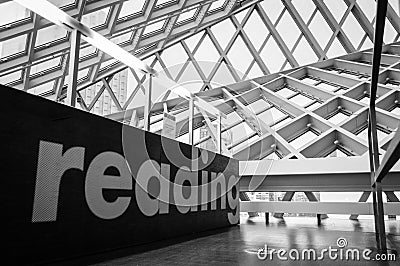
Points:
73	68
380	217
311	197
147	104
364	197
287	197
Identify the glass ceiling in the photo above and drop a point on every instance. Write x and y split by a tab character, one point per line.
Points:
216	41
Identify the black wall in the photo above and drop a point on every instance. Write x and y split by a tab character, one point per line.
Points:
25	121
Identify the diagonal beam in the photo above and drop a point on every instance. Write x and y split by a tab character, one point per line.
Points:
275	34
303	28
344	40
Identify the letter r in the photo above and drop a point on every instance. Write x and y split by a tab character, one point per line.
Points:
52	164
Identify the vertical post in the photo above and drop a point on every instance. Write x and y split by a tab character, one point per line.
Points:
73	68
191	114
147	104
381	8
219	139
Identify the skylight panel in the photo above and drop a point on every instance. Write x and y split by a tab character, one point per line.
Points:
327	87
87	51
161	3
301	100
258	106
271	116
45	66
338	118
337	153
18	13
240	131
49	35
313	106
96	18
245	143
153	28
216	5
132	7
42	89
303	139
13	46
62	3
186	16
10	78
396	111
288	30
223	32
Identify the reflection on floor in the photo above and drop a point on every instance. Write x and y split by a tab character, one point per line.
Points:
239	244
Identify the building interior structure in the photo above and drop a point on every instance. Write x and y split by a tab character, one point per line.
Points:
302	94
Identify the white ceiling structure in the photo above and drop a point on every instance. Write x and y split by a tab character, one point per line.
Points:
245	38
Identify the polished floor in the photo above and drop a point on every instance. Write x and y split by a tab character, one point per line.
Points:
239	245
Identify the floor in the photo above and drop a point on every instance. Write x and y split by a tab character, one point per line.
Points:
239	245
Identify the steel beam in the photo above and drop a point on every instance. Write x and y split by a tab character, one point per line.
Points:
148	104
372	131
73	68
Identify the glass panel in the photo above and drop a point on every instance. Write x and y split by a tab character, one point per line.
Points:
300	100
240	56
108	63
281	123
303	139
131	7
258	106
244	144
62	3
337	153
365	100
122	38
338	118
96	18
271	156
285	92
396	111
364	134
288	30
232	118
83	73
13	76
215	5
240	131
164	2
327	87
50	34
89	50
313	106
152	28
309	81
15	12
255	30
271	116
13	46
47	87
47	65
186	15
